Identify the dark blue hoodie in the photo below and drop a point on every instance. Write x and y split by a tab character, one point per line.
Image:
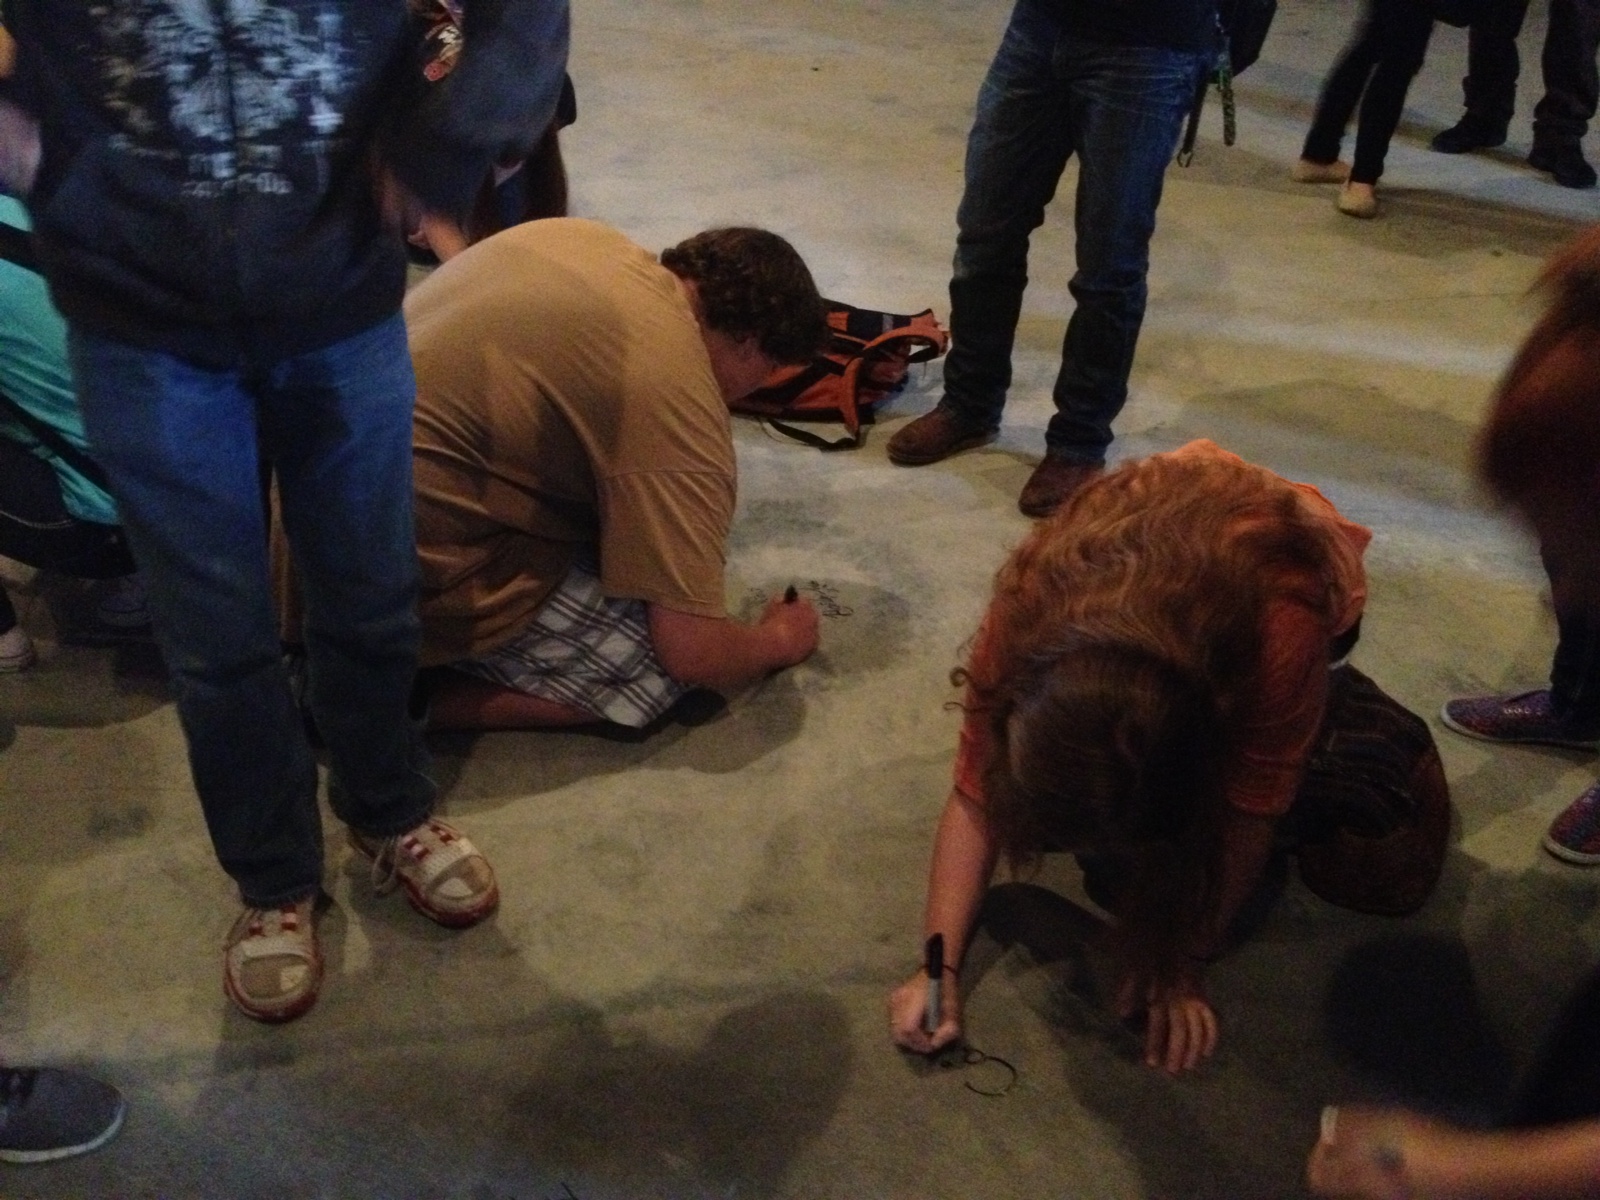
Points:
207	184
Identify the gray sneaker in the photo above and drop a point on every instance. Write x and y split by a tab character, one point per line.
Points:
49	1114
124	604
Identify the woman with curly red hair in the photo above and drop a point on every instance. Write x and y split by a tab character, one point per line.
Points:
1148	690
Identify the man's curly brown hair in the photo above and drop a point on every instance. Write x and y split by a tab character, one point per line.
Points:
754	284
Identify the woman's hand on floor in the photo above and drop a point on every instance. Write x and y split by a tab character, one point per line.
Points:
1180	1025
908	1003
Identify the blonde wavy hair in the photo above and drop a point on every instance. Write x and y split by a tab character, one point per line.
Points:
1123	645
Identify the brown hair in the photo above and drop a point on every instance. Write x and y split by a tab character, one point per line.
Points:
754	284
1543	430
1125	639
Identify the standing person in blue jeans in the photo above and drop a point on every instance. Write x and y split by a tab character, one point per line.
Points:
210	198
1110	83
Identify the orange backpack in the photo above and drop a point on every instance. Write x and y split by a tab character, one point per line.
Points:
866	361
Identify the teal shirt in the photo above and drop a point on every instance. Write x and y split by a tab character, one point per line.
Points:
34	373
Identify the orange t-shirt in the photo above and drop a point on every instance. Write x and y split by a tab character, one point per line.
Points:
1286	712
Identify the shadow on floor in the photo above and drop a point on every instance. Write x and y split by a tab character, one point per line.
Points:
701	733
730	1113
1440	1011
90	674
1359	435
1403	1011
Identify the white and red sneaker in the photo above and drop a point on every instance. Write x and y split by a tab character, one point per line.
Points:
445	877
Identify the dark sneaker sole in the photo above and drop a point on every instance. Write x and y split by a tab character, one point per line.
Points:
24	1157
1567	854
1564	744
923	460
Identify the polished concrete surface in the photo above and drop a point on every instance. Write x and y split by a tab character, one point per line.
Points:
682	995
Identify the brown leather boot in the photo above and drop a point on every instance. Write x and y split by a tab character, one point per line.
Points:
1053	482
937	433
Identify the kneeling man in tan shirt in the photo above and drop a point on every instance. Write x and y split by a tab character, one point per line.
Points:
575	473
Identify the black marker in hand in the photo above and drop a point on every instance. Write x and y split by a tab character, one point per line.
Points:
933	966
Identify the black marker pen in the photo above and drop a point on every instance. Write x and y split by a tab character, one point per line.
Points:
791	594
933	964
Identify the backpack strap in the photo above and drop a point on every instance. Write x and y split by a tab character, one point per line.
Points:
850	442
917	343
856	330
770	399
54	441
1191	130
923	343
17	248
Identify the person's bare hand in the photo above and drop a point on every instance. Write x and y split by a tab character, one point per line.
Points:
1180	1025
444	237
794	628
396	206
19	150
907	1005
1369	1153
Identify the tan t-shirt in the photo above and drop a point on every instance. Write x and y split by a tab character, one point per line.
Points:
565	400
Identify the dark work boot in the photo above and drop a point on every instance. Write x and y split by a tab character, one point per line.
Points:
936	434
1053	483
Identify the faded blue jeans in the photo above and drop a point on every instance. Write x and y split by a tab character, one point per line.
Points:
1050	95
183	446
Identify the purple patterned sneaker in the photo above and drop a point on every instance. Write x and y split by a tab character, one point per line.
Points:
1575	834
1526	717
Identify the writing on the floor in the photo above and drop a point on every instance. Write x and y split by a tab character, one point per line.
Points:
826	597
823	594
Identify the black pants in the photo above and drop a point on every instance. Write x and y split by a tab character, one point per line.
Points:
1571	80
1575	669
1375	71
36	528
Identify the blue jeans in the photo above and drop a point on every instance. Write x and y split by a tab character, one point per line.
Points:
1047	96
183	448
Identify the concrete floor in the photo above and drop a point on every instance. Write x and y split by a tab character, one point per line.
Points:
682	993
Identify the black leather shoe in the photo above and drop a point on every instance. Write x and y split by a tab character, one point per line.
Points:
1564	162
1469	133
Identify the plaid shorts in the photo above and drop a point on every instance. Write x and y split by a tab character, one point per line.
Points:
586	650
